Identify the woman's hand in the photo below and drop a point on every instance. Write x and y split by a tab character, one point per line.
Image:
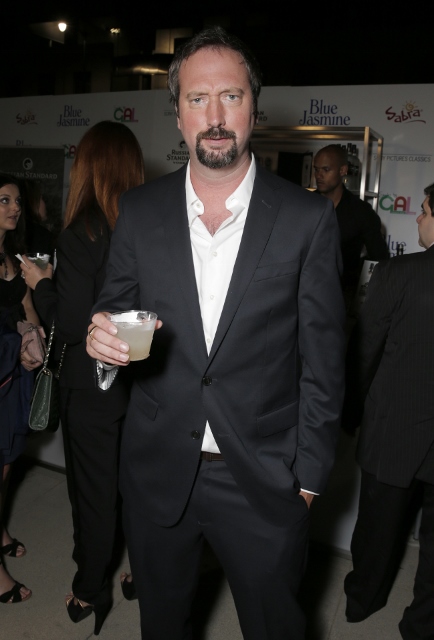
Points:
33	274
28	363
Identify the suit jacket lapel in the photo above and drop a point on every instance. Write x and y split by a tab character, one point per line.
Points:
263	209
179	245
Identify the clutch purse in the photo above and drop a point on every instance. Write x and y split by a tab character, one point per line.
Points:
31	341
45	403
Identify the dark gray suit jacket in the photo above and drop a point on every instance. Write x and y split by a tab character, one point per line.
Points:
272	385
391	369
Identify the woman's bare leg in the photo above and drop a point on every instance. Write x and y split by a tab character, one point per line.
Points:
6	582
5	537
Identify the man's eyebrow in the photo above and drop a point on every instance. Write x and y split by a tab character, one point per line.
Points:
229	90
194	94
233	90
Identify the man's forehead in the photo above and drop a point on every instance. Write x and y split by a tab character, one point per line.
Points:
212	62
326	159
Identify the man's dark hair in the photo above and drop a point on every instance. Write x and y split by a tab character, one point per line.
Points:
214	38
340	153
429	191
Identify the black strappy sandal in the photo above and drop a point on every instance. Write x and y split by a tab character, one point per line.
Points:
14	595
11	549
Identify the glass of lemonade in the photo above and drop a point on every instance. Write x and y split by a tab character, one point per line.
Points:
40	259
136	328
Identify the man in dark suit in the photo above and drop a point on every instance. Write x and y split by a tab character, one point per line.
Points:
232	422
391	370
359	225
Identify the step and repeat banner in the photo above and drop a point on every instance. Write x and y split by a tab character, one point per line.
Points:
402	114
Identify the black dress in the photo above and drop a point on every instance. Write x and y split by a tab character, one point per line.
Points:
15	382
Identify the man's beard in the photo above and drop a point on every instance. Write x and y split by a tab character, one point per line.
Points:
216	159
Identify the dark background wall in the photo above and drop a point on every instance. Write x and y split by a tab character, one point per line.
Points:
296	43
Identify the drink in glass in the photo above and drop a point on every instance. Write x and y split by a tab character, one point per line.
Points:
39	259
136	328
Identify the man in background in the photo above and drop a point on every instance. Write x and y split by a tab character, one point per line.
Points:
391	372
358	223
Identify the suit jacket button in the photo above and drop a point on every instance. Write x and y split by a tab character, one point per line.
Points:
207	381
195	435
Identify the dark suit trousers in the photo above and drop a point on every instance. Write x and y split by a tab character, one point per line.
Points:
263	563
385	513
91	425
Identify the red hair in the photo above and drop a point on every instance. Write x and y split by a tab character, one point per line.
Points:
108	161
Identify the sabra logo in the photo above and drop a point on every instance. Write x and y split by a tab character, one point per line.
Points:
26	118
70	150
325	114
396	204
409	113
124	114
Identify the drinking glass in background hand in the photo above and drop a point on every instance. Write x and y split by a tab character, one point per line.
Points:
136	328
40	259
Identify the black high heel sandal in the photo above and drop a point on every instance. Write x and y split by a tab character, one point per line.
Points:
14	595
11	549
101	614
128	588
78	611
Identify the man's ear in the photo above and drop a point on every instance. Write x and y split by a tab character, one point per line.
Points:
343	171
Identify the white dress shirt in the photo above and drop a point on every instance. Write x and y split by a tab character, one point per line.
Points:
214	259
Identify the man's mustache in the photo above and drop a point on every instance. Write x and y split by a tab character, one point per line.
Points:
215	132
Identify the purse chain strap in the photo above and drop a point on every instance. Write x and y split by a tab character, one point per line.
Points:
47	354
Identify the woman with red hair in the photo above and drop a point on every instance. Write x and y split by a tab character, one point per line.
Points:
108	162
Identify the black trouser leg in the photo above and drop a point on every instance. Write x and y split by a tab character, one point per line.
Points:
263	562
418	619
376	546
91	424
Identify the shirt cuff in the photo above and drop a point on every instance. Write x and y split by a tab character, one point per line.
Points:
311	492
